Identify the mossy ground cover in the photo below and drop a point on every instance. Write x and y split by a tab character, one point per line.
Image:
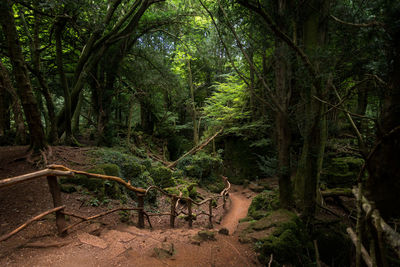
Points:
282	234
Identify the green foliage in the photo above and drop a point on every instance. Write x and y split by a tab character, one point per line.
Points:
268	166
162	176
228	102
205	169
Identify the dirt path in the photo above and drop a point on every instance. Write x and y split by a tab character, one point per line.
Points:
240	202
122	245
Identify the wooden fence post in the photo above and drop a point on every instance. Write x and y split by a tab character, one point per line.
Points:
57	202
141	209
210	218
172	216
189	203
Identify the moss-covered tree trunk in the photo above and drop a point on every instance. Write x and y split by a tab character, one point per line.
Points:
20	71
8	90
283	95
314	123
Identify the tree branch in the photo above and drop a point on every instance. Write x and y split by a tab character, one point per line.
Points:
369	24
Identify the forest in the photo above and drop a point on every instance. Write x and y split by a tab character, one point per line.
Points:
176	93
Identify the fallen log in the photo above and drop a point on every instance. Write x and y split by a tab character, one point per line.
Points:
337	192
195	149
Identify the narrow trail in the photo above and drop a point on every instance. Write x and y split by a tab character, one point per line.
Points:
238	209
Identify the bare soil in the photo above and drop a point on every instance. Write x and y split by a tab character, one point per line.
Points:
107	241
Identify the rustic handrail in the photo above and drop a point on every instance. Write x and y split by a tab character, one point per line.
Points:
100	176
390	234
59	170
34	175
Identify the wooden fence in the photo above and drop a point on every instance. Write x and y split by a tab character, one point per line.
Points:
378	228
54	171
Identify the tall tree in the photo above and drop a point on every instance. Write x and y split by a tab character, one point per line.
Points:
20	71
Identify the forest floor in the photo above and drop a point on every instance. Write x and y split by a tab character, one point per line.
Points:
107	241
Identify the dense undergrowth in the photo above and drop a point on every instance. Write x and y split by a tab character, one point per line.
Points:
201	169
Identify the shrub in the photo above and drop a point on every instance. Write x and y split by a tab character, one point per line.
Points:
162	176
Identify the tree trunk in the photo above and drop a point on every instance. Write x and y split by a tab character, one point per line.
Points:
314	129
76	117
194	112
130	115
4	105
383	184
59	25
20	71
283	95
52	128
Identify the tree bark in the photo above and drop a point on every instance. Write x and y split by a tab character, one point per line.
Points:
314	129
8	89
52	128
194	112
383	166
59	25
20	71
283	95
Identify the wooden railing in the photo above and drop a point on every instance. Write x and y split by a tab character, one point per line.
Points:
54	171
381	229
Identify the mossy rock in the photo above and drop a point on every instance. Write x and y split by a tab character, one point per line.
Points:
110	169
289	241
94	184
132	169
258	214
275	218
205	235
265	201
341	171
162	177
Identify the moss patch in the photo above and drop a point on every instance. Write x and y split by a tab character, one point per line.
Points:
262	203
